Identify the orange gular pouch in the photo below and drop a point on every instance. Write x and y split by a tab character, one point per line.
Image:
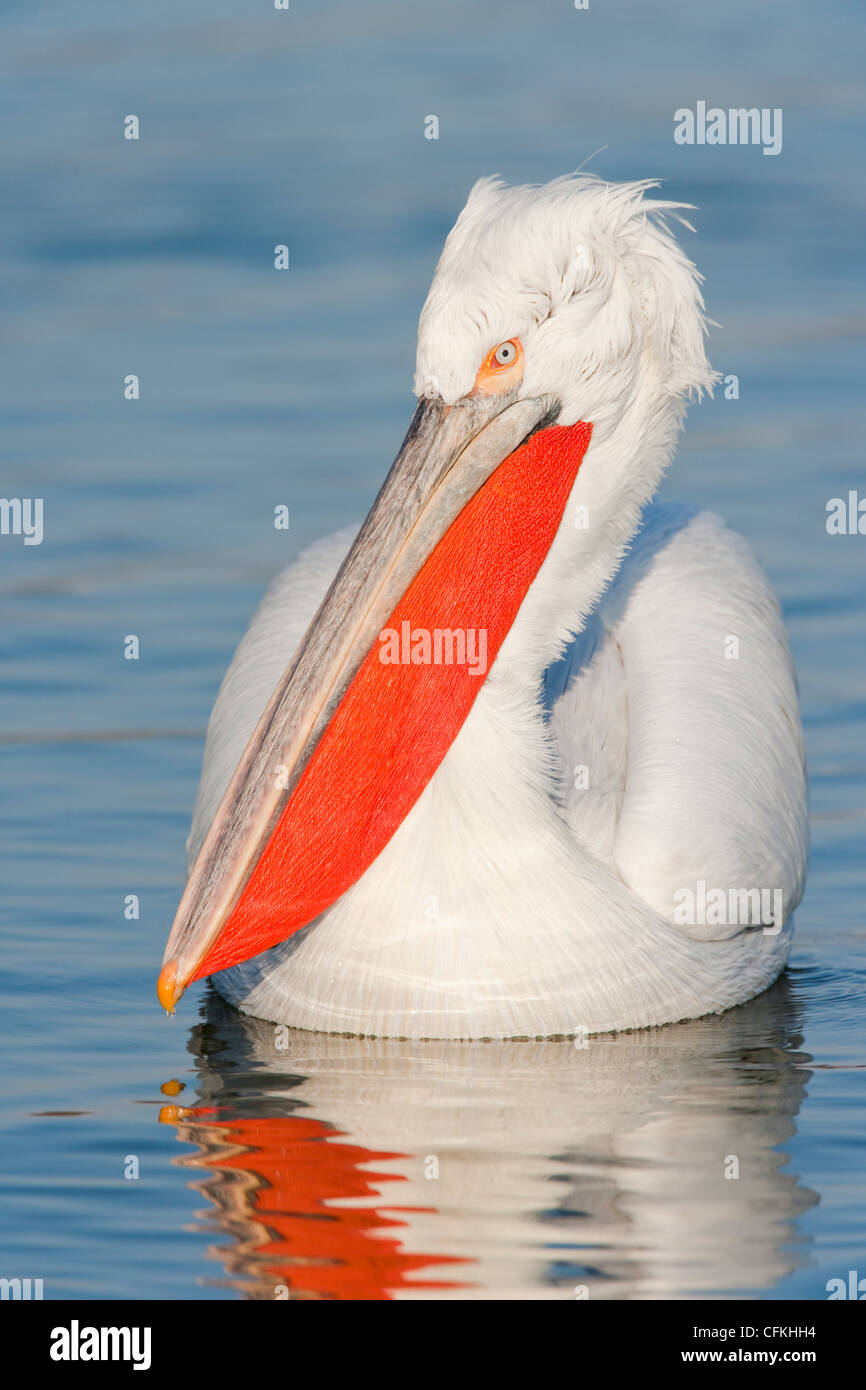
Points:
409	698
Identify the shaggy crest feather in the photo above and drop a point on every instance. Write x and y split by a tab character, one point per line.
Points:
585	273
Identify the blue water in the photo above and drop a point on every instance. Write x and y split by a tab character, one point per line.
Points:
308	1173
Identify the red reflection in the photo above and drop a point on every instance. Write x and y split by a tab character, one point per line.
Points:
301	1210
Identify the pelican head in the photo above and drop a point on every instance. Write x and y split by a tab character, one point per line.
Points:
585	278
561	337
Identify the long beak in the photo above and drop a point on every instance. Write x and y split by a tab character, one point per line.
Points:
229	912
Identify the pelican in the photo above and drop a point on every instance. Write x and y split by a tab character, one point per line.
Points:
522	756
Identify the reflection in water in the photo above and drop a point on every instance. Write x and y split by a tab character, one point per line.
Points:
352	1168
301	1210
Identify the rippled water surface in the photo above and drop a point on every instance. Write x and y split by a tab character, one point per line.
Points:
337	1167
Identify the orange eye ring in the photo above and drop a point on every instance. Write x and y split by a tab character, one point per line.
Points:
501	368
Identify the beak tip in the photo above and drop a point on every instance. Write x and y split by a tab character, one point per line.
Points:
167	987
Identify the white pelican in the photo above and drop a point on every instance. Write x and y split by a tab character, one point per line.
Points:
527	760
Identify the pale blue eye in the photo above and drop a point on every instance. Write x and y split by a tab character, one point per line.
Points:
505	354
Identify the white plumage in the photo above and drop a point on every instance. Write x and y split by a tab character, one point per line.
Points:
534	887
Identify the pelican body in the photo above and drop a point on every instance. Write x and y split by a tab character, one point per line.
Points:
522	756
